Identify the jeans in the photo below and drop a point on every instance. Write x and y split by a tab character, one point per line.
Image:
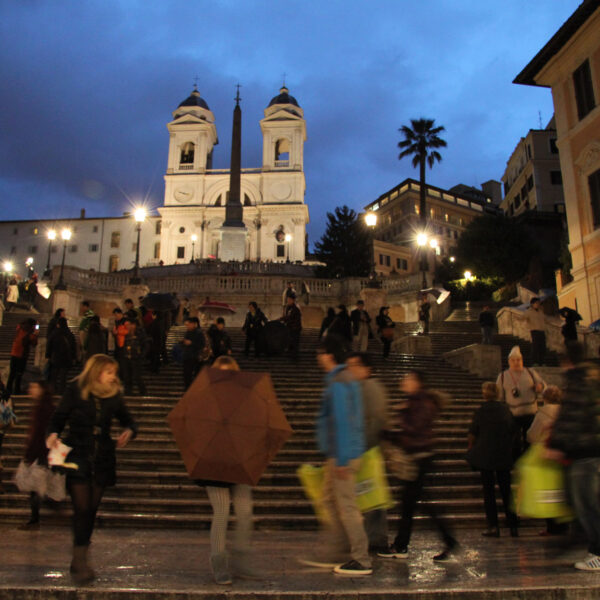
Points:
376	528
17	368
584	486
486	335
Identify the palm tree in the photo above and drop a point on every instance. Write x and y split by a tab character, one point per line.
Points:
420	141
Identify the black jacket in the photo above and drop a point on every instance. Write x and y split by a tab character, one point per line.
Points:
355	317
494	429
192	351
576	430
220	342
89	426
292	317
61	348
486	319
341	326
254	323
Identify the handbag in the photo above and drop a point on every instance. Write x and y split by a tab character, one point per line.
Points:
387	333
31	477
56	488
403	465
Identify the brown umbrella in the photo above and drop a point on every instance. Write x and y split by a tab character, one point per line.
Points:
229	426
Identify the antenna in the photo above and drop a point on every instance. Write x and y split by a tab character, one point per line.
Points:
284	80
540	118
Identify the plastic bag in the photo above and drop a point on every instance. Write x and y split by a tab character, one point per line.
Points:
56	488
31	477
541	489
372	490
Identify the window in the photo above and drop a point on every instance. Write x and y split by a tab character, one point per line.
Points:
115	239
16	231
530	182
95	229
594	185
32	249
280	250
524	192
402	264
157	249
517	201
113	263
180	251
282	153
553	146
187	154
381	259
555	177
584	91
73	248
93	247
13	250
158	227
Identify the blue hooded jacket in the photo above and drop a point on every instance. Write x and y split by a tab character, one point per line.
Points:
340	425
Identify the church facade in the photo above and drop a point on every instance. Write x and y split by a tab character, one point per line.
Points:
189	223
274	213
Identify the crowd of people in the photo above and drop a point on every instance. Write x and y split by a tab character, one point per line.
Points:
355	416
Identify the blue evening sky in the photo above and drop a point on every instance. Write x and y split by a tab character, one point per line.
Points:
88	87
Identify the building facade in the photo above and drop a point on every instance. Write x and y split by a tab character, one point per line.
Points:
399	223
569	64
275	215
532	179
188	225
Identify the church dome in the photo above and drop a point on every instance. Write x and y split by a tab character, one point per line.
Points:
284	98
194	99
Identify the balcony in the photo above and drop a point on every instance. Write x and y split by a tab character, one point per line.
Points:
282	163
186	167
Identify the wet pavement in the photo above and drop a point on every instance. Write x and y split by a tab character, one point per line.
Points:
173	564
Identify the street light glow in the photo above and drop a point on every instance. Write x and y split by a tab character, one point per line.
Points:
422	239
52	235
371	219
29	261
468	275
139	214
194	237
452	259
8	266
288	237
65	234
433	243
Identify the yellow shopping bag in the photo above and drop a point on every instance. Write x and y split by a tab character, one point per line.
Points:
372	490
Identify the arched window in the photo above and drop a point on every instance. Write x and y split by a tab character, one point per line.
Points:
247	200
282	153
218	202
187	154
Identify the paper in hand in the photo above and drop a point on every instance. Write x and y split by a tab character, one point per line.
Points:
57	455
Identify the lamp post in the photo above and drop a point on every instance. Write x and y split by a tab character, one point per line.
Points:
422	243
433	244
51	238
7	267
65	234
139	216
371	222
288	239
194	240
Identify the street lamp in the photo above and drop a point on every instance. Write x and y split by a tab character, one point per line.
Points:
140	216
452	259
51	238
65	234
422	243
371	222
468	276
194	240
288	239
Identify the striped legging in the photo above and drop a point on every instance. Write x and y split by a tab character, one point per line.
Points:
220	500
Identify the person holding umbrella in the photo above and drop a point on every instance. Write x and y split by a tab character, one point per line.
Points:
87	409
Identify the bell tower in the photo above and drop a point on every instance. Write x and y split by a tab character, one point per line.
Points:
192	137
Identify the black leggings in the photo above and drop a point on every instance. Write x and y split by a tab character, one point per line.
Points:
86	497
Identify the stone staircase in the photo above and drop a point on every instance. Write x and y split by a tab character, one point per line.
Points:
153	489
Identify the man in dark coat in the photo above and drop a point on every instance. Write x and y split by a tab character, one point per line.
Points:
61	351
292	317
360	327
193	346
133	354
220	342
486	322
255	321
492	445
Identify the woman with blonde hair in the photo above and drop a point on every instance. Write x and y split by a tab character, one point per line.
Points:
220	494
90	402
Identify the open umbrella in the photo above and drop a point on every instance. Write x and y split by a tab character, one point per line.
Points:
216	308
160	301
229	426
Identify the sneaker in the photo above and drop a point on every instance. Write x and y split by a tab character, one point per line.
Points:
353	569
446	554
393	552
590	563
320	564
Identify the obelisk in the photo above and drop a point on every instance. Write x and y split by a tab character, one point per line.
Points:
233	231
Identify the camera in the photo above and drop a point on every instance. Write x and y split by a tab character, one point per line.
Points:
515	392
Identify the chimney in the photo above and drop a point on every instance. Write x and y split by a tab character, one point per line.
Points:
82	213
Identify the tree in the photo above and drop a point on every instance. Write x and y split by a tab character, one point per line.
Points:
496	246
345	245
421	142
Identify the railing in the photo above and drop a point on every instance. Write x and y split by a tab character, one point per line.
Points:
282	163
186	167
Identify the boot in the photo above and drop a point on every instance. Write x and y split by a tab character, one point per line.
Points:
240	565
80	569
219	564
